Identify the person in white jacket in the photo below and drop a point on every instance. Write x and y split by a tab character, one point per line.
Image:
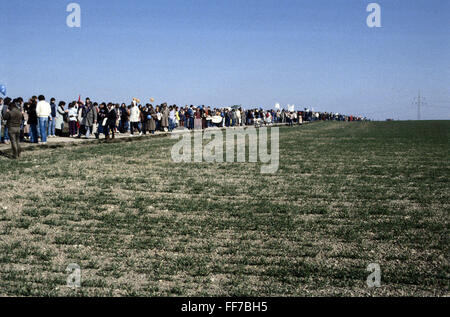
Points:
43	111
135	118
73	118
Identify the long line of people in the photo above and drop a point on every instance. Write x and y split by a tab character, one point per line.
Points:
42	120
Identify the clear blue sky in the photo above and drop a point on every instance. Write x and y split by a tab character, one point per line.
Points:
316	53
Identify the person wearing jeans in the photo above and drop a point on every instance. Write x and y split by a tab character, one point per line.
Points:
43	111
6	135
32	120
51	123
191	118
171	119
43	123
51	127
33	133
171	124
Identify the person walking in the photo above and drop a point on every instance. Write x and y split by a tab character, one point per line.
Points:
177	117
43	111
102	113
172	118
5	108
26	126
124	116
110	122
181	117
143	119
117	110
152	120
165	117
13	118
73	118
197	119
135	116
191	118
186	117
89	118
238	117
80	113
32	120
61	115
52	122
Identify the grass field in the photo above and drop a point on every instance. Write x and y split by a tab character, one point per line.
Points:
346	195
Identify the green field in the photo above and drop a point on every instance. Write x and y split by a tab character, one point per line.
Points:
138	224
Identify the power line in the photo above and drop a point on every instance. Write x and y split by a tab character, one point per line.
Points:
442	107
419	101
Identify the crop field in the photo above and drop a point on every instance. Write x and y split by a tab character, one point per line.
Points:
138	224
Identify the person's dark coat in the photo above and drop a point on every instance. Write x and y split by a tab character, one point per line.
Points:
89	116
13	119
165	117
102	113
32	115
124	116
144	113
111	118
152	121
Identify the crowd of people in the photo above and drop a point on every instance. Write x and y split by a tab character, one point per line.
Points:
40	120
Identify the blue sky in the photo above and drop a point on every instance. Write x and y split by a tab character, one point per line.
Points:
315	53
